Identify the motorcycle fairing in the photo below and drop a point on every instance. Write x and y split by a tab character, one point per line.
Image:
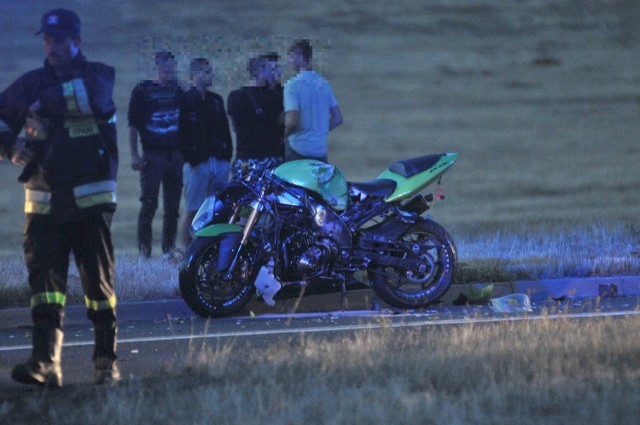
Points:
218	229
229	236
413	175
229	242
317	176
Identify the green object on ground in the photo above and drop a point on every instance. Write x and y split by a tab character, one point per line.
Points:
479	294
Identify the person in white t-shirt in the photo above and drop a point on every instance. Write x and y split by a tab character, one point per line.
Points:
311	109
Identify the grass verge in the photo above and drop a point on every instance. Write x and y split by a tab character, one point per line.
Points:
531	253
528	253
569	371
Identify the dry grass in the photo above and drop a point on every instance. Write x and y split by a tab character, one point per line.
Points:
136	280
564	371
548	252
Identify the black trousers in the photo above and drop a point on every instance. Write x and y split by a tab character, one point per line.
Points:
162	168
47	247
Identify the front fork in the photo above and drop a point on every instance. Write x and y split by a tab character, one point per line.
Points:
256	208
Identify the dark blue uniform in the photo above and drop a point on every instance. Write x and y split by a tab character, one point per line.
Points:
70	195
76	153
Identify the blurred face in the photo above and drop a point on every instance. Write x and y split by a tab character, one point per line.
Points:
60	50
167	69
203	77
271	72
294	59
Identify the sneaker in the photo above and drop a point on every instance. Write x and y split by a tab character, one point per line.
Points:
173	256
34	372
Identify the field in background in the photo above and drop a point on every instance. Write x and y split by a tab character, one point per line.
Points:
541	98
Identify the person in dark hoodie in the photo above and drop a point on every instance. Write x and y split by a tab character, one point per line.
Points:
70	161
153	114
205	143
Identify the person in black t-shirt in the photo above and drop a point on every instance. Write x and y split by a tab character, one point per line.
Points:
256	113
154	109
205	143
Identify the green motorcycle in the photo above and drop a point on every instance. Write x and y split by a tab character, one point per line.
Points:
303	227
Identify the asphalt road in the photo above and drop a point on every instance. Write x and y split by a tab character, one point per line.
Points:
149	343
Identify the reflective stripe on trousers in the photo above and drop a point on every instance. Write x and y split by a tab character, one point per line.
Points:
48	298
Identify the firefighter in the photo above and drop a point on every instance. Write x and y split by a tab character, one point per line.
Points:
70	158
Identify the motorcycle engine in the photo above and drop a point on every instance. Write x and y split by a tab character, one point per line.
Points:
307	255
324	240
317	257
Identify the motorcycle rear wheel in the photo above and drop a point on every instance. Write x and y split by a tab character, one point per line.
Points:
402	288
205	290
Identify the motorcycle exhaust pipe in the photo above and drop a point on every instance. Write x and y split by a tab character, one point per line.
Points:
418	204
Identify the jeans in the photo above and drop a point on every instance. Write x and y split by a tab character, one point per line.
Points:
203	180
162	168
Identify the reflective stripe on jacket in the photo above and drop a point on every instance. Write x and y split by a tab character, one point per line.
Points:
73	138
86	196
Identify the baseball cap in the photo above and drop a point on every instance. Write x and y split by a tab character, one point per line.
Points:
61	22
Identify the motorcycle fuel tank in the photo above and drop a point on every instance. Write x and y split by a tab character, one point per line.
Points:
317	176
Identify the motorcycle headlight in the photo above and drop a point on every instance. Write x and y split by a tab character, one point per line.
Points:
204	214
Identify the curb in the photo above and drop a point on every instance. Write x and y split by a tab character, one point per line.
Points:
356	300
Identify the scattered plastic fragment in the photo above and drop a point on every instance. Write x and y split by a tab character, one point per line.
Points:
513	303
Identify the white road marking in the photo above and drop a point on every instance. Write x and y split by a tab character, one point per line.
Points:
341	328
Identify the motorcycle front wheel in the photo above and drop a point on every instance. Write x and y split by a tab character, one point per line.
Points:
209	292
409	289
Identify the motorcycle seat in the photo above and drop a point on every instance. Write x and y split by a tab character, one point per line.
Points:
413	166
376	187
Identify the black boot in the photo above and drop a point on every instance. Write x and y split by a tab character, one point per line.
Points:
43	368
104	354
